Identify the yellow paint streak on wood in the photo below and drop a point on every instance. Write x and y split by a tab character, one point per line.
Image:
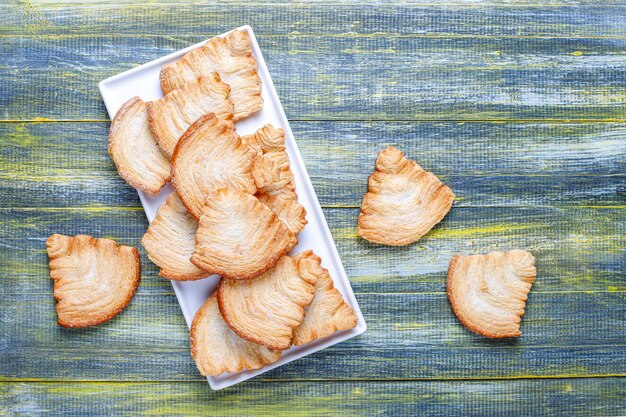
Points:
410	326
276	380
443	233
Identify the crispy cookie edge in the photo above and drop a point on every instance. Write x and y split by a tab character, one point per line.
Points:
221	301
129	297
126	176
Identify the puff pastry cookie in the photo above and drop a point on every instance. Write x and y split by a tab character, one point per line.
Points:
272	175
290	212
217	349
328	312
265	310
231	57
266	139
94	279
239	237
488	293
170	116
170	241
403	201
210	156
134	150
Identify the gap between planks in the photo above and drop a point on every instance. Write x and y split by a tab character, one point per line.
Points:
461	4
278	380
490	347
312	35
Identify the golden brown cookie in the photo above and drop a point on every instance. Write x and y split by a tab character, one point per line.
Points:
289	212
272	175
217	349
94	279
328	312
229	56
239	237
403	201
170	116
210	156
170	241
265	310
488	293
134	150
266	139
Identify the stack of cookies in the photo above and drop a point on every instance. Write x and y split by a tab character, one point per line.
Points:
234	212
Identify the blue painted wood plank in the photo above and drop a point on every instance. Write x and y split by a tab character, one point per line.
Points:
577	249
410	336
362	78
462	18
486	164
563	397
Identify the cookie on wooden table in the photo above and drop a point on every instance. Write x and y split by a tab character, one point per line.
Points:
94	279
209	156
239	237
403	202
267	309
328	312
170	241
488	293
170	116
229	56
217	349
134	149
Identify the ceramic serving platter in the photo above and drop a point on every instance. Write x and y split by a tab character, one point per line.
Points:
143	81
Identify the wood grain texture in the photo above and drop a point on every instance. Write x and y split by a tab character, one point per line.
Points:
362	78
519	106
516	18
577	249
486	164
410	336
564	397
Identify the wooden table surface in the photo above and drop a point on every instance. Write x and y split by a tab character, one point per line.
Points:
520	108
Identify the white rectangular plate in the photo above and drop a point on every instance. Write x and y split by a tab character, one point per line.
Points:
143	81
